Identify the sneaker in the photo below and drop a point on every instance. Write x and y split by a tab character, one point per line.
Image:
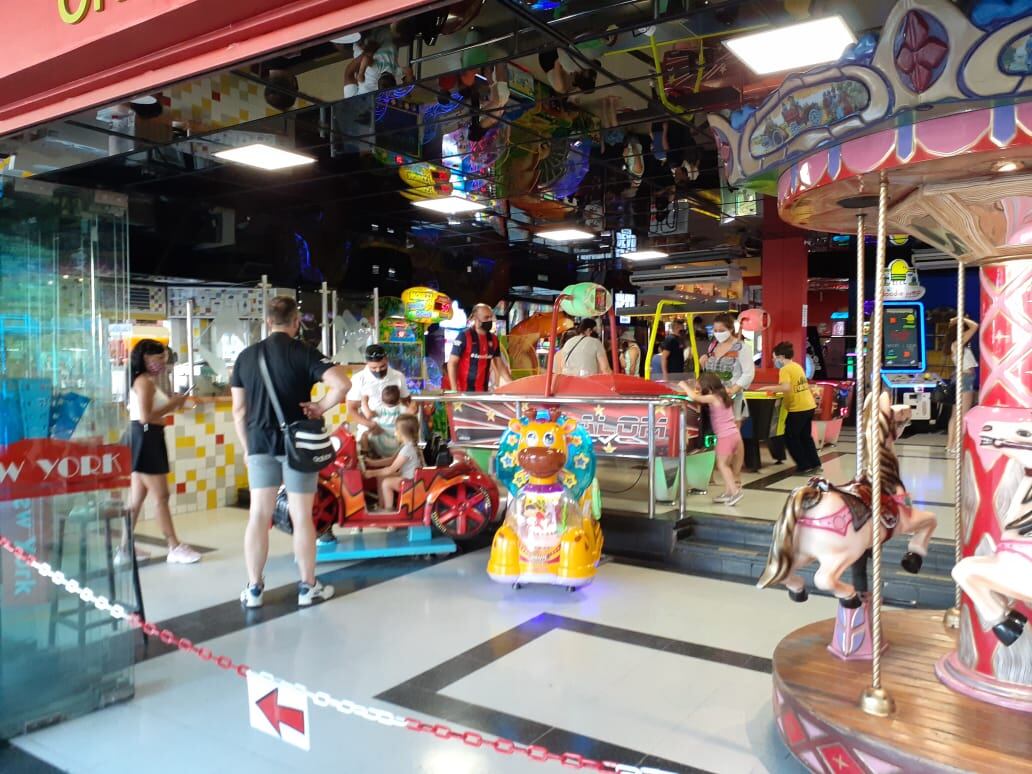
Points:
736	498
721	499
123	558
182	554
326	538
317	592
252	595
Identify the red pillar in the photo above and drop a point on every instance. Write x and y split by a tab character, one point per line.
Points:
784	275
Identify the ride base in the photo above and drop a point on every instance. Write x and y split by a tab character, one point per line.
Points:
411	541
934	729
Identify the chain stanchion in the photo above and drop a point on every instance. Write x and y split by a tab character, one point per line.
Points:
875	699
318	698
861	461
951	618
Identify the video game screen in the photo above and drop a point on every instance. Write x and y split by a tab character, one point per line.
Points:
903	349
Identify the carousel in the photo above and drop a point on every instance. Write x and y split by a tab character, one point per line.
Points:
927	131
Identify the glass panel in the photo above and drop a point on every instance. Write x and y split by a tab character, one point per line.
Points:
63	475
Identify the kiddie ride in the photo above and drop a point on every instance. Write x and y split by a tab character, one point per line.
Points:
457	500
551	532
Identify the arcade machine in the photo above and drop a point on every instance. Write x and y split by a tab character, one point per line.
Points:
903	359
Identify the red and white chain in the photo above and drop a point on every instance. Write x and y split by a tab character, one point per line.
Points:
318	698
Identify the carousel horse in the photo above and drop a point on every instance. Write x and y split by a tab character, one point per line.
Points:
832	524
994	583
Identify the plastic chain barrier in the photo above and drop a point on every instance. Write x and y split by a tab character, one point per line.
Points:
318	698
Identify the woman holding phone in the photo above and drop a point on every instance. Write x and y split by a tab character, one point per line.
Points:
148	407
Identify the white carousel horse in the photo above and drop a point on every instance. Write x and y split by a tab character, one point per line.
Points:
995	582
832	524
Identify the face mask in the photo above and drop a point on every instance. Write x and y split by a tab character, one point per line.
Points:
379	373
779	363
722	336
487	325
155	367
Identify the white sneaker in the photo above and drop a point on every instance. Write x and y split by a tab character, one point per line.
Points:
736	498
123	558
253	595
182	554
306	595
721	499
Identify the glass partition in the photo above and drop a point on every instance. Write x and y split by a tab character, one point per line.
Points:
63	472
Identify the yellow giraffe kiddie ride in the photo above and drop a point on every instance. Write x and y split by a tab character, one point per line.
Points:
551	532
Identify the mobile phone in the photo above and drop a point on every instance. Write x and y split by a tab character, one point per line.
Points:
188	390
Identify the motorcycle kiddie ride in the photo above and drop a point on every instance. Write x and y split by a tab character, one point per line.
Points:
457	500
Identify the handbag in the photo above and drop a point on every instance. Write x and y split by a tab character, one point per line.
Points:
306	442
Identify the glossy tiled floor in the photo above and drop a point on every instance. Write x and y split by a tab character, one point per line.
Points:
644	667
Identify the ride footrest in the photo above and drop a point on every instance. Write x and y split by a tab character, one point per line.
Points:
410	541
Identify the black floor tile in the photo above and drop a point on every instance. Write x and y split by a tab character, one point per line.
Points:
16	761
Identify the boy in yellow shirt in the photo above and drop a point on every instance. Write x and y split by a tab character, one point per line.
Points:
800	406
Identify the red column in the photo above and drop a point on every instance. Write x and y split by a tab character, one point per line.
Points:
996	478
784	274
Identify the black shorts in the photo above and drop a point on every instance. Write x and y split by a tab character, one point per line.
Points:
150	455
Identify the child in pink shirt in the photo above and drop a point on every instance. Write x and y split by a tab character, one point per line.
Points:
711	391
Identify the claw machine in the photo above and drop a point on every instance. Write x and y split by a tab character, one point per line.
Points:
63	471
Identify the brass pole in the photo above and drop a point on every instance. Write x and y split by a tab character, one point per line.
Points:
875	699
861	462
952	616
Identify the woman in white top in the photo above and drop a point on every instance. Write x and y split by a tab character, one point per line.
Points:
965	371
630	354
731	358
148	407
583	354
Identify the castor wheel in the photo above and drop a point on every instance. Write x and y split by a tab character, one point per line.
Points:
517	586
798	596
852	603
912	562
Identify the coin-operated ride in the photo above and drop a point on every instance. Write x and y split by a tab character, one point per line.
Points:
551	532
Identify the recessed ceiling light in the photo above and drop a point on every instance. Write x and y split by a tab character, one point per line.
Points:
794	47
1007	166
450	205
644	255
264	157
565	234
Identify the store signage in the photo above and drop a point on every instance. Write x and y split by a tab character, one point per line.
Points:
41	467
74	11
901	283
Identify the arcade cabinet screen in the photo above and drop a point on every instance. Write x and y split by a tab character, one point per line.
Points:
903	348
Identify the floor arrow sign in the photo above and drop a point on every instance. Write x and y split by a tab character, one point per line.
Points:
279	710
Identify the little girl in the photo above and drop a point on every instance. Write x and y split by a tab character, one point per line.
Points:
402	466
711	391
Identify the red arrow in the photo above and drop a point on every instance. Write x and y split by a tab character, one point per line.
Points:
280	715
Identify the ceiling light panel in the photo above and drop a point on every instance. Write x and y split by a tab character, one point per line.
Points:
263	156
795	47
449	205
565	235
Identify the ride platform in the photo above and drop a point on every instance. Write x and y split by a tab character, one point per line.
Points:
410	541
934	729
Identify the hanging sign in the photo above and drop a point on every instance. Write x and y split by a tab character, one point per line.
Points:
426	305
901	283
586	299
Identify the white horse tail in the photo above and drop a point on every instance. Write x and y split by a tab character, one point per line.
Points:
782	545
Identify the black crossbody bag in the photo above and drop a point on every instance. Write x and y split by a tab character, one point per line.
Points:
306	442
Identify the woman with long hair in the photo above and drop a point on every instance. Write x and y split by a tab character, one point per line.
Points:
148	407
965	366
731	358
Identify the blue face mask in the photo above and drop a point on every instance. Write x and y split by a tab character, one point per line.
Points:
779	363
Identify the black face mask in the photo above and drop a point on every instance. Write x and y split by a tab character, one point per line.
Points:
487	325
379	373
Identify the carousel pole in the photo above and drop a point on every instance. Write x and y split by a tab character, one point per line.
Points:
861	462
952	616
875	699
